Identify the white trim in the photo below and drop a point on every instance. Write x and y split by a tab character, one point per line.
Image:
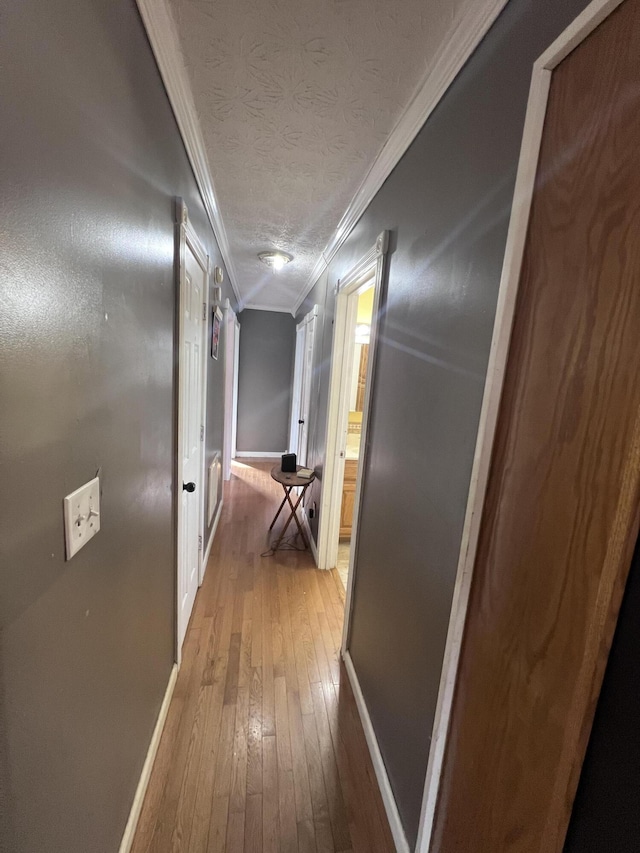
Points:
381	249
386	792
368	271
212	535
456	48
259	306
145	775
312	543
159	24
259	454
581	27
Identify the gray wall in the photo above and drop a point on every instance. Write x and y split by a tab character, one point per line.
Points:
90	160
447	205
267	346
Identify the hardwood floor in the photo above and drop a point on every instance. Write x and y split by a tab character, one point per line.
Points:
344	552
262	749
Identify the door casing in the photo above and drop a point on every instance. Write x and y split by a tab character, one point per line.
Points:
369	271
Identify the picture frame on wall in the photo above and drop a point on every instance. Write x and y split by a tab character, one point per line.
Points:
216	326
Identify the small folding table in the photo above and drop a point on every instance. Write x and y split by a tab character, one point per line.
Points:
290	481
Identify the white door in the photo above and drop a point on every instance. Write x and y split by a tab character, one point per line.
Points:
231	324
236	373
296	397
302	384
192	290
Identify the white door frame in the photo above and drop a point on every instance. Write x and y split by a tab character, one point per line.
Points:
575	33
187	237
367	272
231	326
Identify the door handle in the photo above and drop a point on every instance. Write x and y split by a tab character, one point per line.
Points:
300	422
188	487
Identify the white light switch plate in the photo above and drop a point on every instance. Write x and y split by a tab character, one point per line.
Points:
81	516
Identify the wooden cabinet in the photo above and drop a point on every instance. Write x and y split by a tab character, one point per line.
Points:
362	377
348	496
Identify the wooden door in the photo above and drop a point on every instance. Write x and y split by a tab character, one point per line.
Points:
561	512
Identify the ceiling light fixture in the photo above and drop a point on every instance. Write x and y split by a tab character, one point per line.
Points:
275	260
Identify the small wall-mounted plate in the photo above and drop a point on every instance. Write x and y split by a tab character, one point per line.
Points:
81	516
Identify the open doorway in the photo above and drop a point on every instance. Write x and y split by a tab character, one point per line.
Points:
357	311
358	359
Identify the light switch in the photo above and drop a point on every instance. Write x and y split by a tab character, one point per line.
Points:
81	516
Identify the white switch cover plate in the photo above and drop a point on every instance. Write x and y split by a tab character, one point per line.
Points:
81	516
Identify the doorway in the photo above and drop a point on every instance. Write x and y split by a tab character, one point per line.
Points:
348	413
356	366
192	365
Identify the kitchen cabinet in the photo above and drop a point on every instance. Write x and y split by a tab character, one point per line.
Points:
348	497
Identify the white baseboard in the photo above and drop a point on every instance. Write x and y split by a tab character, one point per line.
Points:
212	536
307	527
141	790
259	454
388	799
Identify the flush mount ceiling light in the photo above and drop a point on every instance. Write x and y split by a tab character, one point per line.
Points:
275	260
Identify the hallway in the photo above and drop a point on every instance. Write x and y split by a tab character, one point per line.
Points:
263	748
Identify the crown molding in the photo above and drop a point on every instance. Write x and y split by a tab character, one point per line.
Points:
159	24
259	306
318	268
455	50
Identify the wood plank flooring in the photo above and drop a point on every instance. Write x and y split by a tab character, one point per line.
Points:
263	749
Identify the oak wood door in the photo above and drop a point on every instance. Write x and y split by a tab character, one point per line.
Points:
561	512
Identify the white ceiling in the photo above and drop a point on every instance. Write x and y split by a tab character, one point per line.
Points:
295	99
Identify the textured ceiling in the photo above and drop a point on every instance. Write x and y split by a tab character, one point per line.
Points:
295	99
